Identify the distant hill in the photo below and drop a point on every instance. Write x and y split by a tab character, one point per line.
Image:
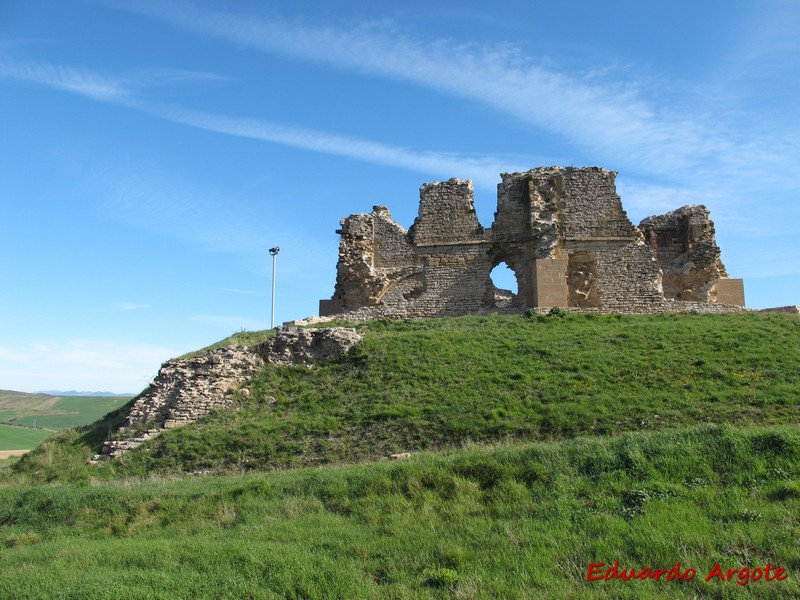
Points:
10	400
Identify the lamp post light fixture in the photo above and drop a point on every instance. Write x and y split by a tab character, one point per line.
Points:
274	252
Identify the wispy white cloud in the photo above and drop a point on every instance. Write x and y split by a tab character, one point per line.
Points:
130	306
610	117
481	169
14	355
97	86
69	79
614	119
81	364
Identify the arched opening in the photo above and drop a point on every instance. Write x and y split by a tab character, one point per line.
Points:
503	288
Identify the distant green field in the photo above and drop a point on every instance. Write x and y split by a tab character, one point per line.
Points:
72	411
21	438
40	416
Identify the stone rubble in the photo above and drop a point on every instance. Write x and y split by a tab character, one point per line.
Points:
293	346
186	389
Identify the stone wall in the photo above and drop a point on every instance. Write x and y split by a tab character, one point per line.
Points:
186	389
439	267
685	247
789	310
561	230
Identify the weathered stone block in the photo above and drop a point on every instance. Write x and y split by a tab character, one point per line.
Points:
294	346
730	291
549	285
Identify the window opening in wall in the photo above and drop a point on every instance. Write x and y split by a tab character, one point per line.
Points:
506	288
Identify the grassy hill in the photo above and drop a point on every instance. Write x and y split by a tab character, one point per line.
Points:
11	403
541	445
54	412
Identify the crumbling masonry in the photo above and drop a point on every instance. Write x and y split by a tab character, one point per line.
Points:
189	388
561	230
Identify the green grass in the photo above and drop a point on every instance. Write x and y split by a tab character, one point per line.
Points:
21	438
541	445
521	521
424	385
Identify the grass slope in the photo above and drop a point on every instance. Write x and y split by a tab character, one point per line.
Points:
687	449
423	385
522	521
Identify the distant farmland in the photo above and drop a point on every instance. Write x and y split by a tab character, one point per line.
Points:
28	419
21	438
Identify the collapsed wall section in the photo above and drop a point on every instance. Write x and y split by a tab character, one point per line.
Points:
376	263
684	244
189	388
439	267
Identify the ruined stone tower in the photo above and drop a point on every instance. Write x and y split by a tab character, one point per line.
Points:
561	230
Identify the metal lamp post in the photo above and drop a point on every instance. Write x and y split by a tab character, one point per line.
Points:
274	252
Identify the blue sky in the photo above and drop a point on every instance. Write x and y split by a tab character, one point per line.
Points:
153	151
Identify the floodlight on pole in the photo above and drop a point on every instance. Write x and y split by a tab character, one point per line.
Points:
274	252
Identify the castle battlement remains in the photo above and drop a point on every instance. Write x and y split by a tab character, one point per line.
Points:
561	230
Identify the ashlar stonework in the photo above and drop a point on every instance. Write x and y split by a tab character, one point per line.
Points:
561	230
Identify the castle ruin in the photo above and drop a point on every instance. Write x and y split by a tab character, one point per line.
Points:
561	230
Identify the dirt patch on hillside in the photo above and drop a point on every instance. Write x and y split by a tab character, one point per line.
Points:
4	454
